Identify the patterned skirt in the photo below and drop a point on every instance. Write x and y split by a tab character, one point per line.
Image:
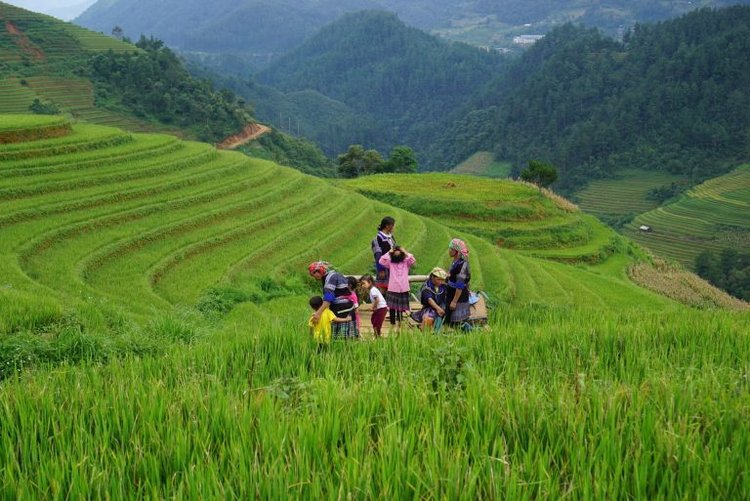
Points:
345	330
461	313
397	301
425	312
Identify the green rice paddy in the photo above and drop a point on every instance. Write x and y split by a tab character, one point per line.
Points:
625	194
712	216
40	57
119	377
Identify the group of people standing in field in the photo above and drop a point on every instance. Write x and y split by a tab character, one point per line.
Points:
444	296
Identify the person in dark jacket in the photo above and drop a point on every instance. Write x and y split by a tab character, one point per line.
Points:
459	278
381	245
336	296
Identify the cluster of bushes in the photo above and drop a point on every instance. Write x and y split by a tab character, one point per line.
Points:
728	270
360	162
220	300
44	108
664	193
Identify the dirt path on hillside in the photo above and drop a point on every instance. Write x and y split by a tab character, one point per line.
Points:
250	133
26	45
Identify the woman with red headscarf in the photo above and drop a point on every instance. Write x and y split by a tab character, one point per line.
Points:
457	287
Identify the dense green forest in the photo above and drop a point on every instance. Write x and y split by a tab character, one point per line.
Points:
671	96
407	82
256	31
154	84
729	271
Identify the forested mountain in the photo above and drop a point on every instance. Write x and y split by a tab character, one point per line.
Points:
258	30
672	96
406	81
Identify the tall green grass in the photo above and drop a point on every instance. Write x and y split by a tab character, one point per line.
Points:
550	402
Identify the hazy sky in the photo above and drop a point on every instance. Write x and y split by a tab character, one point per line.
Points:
64	9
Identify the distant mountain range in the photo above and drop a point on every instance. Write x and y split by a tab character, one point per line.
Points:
256	31
671	95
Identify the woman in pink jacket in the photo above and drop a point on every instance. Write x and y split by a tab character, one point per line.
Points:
398	261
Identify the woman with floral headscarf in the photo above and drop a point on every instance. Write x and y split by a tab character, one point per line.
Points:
336	294
457	287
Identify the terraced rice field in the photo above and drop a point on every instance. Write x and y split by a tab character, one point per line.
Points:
15	97
62	39
509	214
147	222
624	194
76	96
712	216
95	42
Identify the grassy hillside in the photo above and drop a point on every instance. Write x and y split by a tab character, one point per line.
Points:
62	68
142	87
523	222
509	214
145	279
712	216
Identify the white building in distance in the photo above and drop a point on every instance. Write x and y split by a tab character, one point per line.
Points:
527	39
